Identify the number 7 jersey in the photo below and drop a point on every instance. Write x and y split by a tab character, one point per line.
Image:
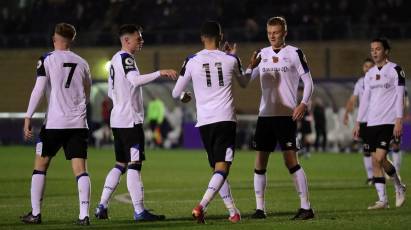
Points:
211	72
68	80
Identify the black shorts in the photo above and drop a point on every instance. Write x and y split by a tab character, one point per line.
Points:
219	141
73	141
363	135
379	136
270	130
129	144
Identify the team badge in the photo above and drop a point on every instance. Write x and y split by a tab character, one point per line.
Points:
383	143
275	59
377	77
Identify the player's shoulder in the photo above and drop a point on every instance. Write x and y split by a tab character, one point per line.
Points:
78	58
45	55
397	68
360	80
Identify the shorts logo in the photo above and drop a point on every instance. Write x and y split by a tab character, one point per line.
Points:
383	143
39	148
289	144
229	154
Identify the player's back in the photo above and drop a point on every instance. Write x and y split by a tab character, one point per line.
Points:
68	74
212	72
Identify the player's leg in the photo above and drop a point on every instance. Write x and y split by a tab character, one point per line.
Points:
379	180
396	154
399	186
134	147
46	147
219	140
75	149
286	137
264	143
112	178
226	196
367	154
260	183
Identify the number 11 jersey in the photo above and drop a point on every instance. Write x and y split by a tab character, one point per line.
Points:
211	72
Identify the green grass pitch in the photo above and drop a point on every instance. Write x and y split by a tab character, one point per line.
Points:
175	180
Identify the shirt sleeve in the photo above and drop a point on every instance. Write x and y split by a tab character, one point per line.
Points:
301	63
356	89
36	95
183	80
400	89
87	82
308	87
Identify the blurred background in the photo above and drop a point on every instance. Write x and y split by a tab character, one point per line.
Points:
334	36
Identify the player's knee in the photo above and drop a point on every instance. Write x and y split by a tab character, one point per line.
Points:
134	166
121	167
222	173
294	169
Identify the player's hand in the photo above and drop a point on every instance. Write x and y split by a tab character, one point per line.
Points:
28	133
356	131
185	97
169	73
397	128
230	49
299	111
345	119
254	60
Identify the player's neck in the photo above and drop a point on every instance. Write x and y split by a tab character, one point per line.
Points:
278	47
125	49
62	47
210	46
382	63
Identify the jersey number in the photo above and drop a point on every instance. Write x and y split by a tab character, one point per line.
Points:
219	67
72	67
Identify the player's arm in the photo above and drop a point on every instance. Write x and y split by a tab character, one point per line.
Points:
399	103
87	83
182	82
305	75
35	98
137	79
349	107
362	108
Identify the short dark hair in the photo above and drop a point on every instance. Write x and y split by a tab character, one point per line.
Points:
65	30
211	29
129	29
368	59
384	43
277	21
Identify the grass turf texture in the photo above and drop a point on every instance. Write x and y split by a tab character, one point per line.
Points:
175	181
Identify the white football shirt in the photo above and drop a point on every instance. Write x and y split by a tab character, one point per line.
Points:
211	72
280	74
124	88
383	101
67	81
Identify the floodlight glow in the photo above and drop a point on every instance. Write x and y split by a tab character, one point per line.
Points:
107	66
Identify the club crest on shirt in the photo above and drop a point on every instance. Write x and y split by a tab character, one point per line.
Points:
275	59
377	77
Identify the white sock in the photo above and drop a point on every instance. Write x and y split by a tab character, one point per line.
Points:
216	181
397	158
368	166
260	183
84	187
136	189
38	180
300	182
380	187
225	193
112	180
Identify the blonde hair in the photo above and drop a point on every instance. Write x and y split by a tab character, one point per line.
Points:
277	21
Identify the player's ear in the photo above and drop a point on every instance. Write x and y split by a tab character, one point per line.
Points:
202	38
